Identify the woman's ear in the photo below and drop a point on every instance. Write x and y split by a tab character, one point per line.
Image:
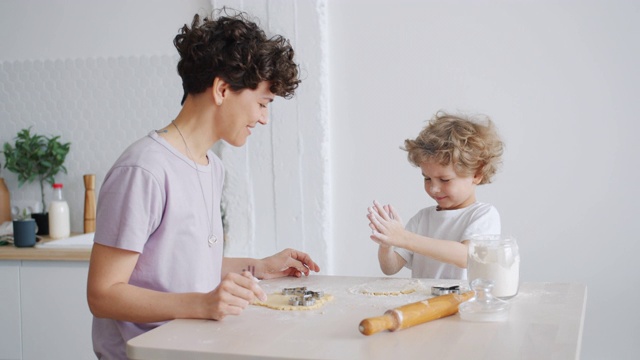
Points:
219	90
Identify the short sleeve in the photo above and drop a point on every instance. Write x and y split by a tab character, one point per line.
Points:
129	208
484	221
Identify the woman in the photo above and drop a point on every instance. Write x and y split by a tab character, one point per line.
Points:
158	244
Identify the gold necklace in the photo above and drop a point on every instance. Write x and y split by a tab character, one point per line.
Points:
212	239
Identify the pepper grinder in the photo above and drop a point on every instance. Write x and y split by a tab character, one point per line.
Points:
5	202
89	203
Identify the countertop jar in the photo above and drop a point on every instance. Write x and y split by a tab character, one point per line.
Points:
495	258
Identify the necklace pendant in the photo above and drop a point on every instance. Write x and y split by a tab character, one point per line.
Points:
212	240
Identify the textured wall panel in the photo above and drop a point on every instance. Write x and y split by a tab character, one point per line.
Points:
277	189
99	105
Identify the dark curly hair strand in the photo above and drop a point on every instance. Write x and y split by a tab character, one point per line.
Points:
236	50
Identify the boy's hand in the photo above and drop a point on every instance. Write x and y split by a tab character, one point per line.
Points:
387	227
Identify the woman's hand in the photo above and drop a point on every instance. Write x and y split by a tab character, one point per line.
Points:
233	295
288	262
386	225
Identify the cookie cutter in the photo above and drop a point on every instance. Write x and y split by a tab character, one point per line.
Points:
294	291
302	296
443	290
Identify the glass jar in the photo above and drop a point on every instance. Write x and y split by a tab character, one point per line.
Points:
495	258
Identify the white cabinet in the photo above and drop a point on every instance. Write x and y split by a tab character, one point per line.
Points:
10	329
54	321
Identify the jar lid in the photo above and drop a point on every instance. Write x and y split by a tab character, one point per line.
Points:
57	186
483	306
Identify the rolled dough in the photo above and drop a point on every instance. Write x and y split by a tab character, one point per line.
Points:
278	301
388	287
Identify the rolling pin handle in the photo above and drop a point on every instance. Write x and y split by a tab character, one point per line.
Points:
374	325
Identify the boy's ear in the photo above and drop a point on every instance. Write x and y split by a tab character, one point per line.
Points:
219	90
477	178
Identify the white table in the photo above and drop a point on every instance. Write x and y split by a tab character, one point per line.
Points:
545	322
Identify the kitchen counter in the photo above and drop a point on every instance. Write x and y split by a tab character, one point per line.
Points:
46	253
545	322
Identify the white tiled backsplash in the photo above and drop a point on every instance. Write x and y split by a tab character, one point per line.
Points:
100	105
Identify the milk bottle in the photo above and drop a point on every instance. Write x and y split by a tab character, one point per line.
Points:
59	220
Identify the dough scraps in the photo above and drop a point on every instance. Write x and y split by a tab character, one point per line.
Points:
278	301
388	287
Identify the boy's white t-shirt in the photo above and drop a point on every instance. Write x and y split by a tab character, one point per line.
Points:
151	203
454	225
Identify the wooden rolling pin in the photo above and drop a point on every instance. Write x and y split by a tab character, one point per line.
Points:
415	313
89	203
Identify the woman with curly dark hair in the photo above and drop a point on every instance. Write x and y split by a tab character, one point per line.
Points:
158	252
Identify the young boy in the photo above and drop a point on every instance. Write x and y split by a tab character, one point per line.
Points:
455	154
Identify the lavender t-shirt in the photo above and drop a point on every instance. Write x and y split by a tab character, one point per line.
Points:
151	202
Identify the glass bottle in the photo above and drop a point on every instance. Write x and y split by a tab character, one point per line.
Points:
59	219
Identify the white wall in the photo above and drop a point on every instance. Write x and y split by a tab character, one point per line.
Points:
61	29
559	79
277	188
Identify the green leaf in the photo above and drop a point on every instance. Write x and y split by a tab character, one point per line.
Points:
35	156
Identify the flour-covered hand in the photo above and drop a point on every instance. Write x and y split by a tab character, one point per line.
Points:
386	225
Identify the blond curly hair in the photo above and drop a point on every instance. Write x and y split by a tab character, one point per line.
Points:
470	144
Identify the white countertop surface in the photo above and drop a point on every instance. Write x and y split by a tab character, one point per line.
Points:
83	241
75	248
545	322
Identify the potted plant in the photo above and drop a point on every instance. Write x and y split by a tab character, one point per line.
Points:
36	157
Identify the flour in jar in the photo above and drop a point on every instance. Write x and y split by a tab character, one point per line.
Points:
496	258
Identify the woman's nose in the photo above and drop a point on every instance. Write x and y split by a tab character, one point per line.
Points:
264	117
